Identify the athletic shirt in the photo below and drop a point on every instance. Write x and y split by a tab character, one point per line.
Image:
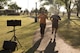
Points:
42	18
55	19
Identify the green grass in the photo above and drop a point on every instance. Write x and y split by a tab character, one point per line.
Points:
24	33
69	30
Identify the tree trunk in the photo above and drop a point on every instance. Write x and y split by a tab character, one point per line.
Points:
68	5
77	12
68	14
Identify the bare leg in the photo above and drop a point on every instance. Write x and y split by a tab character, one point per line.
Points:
55	34
52	30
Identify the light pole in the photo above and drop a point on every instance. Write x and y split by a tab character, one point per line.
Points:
36	13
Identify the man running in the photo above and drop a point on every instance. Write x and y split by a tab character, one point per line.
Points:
55	19
42	16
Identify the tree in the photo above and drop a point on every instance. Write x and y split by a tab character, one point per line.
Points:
14	6
55	3
46	3
40	0
78	7
68	7
3	3
67	4
26	11
1	7
50	1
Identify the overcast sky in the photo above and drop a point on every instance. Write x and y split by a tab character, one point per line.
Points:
26	4
31	4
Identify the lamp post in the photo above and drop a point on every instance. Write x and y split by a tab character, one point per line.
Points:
36	13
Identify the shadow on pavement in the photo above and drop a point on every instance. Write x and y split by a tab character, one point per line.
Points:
51	47
34	47
5	51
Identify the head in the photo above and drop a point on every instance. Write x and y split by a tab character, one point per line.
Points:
42	12
55	12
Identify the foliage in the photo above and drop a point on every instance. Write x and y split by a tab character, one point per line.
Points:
1	7
67	4
68	7
59	2
4	0
14	6
46	3
50	1
3	3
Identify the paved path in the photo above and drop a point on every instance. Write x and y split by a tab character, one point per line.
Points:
59	46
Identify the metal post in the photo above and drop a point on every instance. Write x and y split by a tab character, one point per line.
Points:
36	13
14	34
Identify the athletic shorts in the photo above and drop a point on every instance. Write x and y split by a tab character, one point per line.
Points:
54	25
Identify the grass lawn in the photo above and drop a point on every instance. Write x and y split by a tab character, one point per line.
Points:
69	30
24	33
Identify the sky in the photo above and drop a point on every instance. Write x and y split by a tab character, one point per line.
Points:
31	4
27	4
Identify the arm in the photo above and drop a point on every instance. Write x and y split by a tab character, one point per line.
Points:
59	17
51	18
46	17
39	16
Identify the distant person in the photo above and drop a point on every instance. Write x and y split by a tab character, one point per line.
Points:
55	19
63	13
42	16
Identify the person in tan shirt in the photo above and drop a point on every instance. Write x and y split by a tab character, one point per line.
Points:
42	16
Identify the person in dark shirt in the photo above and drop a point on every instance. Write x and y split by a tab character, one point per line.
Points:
55	19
